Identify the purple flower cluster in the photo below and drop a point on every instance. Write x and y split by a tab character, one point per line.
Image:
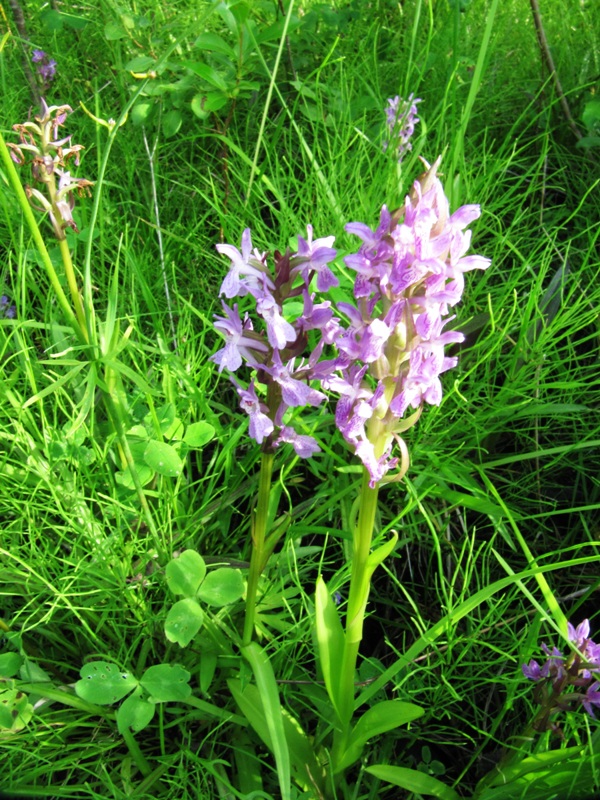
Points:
46	66
410	272
276	350
7	309
401	121
559	674
49	154
389	356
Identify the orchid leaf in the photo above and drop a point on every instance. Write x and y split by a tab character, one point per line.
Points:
412	780
385	716
330	639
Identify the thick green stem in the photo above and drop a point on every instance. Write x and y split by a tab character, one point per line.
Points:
259	535
357	604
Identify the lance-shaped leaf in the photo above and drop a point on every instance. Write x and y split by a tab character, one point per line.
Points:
385	716
330	640
413	781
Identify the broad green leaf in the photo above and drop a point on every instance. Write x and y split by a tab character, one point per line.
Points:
138	432
214	43
140	113
330	639
385	716
535	763
163	458
183	622
186	573
380	554
10	664
15	710
208	666
208	74
140	64
52	20
75	22
198	434
114	31
104	683
166	683
164	416
144	474
222	586
135	713
269	693
591	114
413	781
204	104
33	673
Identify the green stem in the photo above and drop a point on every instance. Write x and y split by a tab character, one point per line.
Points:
136	753
73	288
259	535
357	604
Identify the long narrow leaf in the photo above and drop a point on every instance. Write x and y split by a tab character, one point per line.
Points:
269	694
413	781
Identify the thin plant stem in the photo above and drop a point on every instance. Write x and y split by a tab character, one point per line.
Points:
161	250
73	288
259	535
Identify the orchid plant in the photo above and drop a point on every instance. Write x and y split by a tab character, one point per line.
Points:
50	157
388	353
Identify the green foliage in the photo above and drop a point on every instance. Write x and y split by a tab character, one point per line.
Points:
510	456
103	683
187	575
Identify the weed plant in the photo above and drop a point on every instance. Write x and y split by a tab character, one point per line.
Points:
499	513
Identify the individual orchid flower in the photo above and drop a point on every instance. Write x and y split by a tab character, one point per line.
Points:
315	256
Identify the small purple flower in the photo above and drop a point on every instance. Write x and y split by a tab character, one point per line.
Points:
305	446
401	121
241	341
7	310
261	425
532	671
591	698
294	392
46	66
314	257
279	331
247	272
566	676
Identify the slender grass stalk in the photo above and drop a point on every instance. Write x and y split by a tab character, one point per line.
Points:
259	535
